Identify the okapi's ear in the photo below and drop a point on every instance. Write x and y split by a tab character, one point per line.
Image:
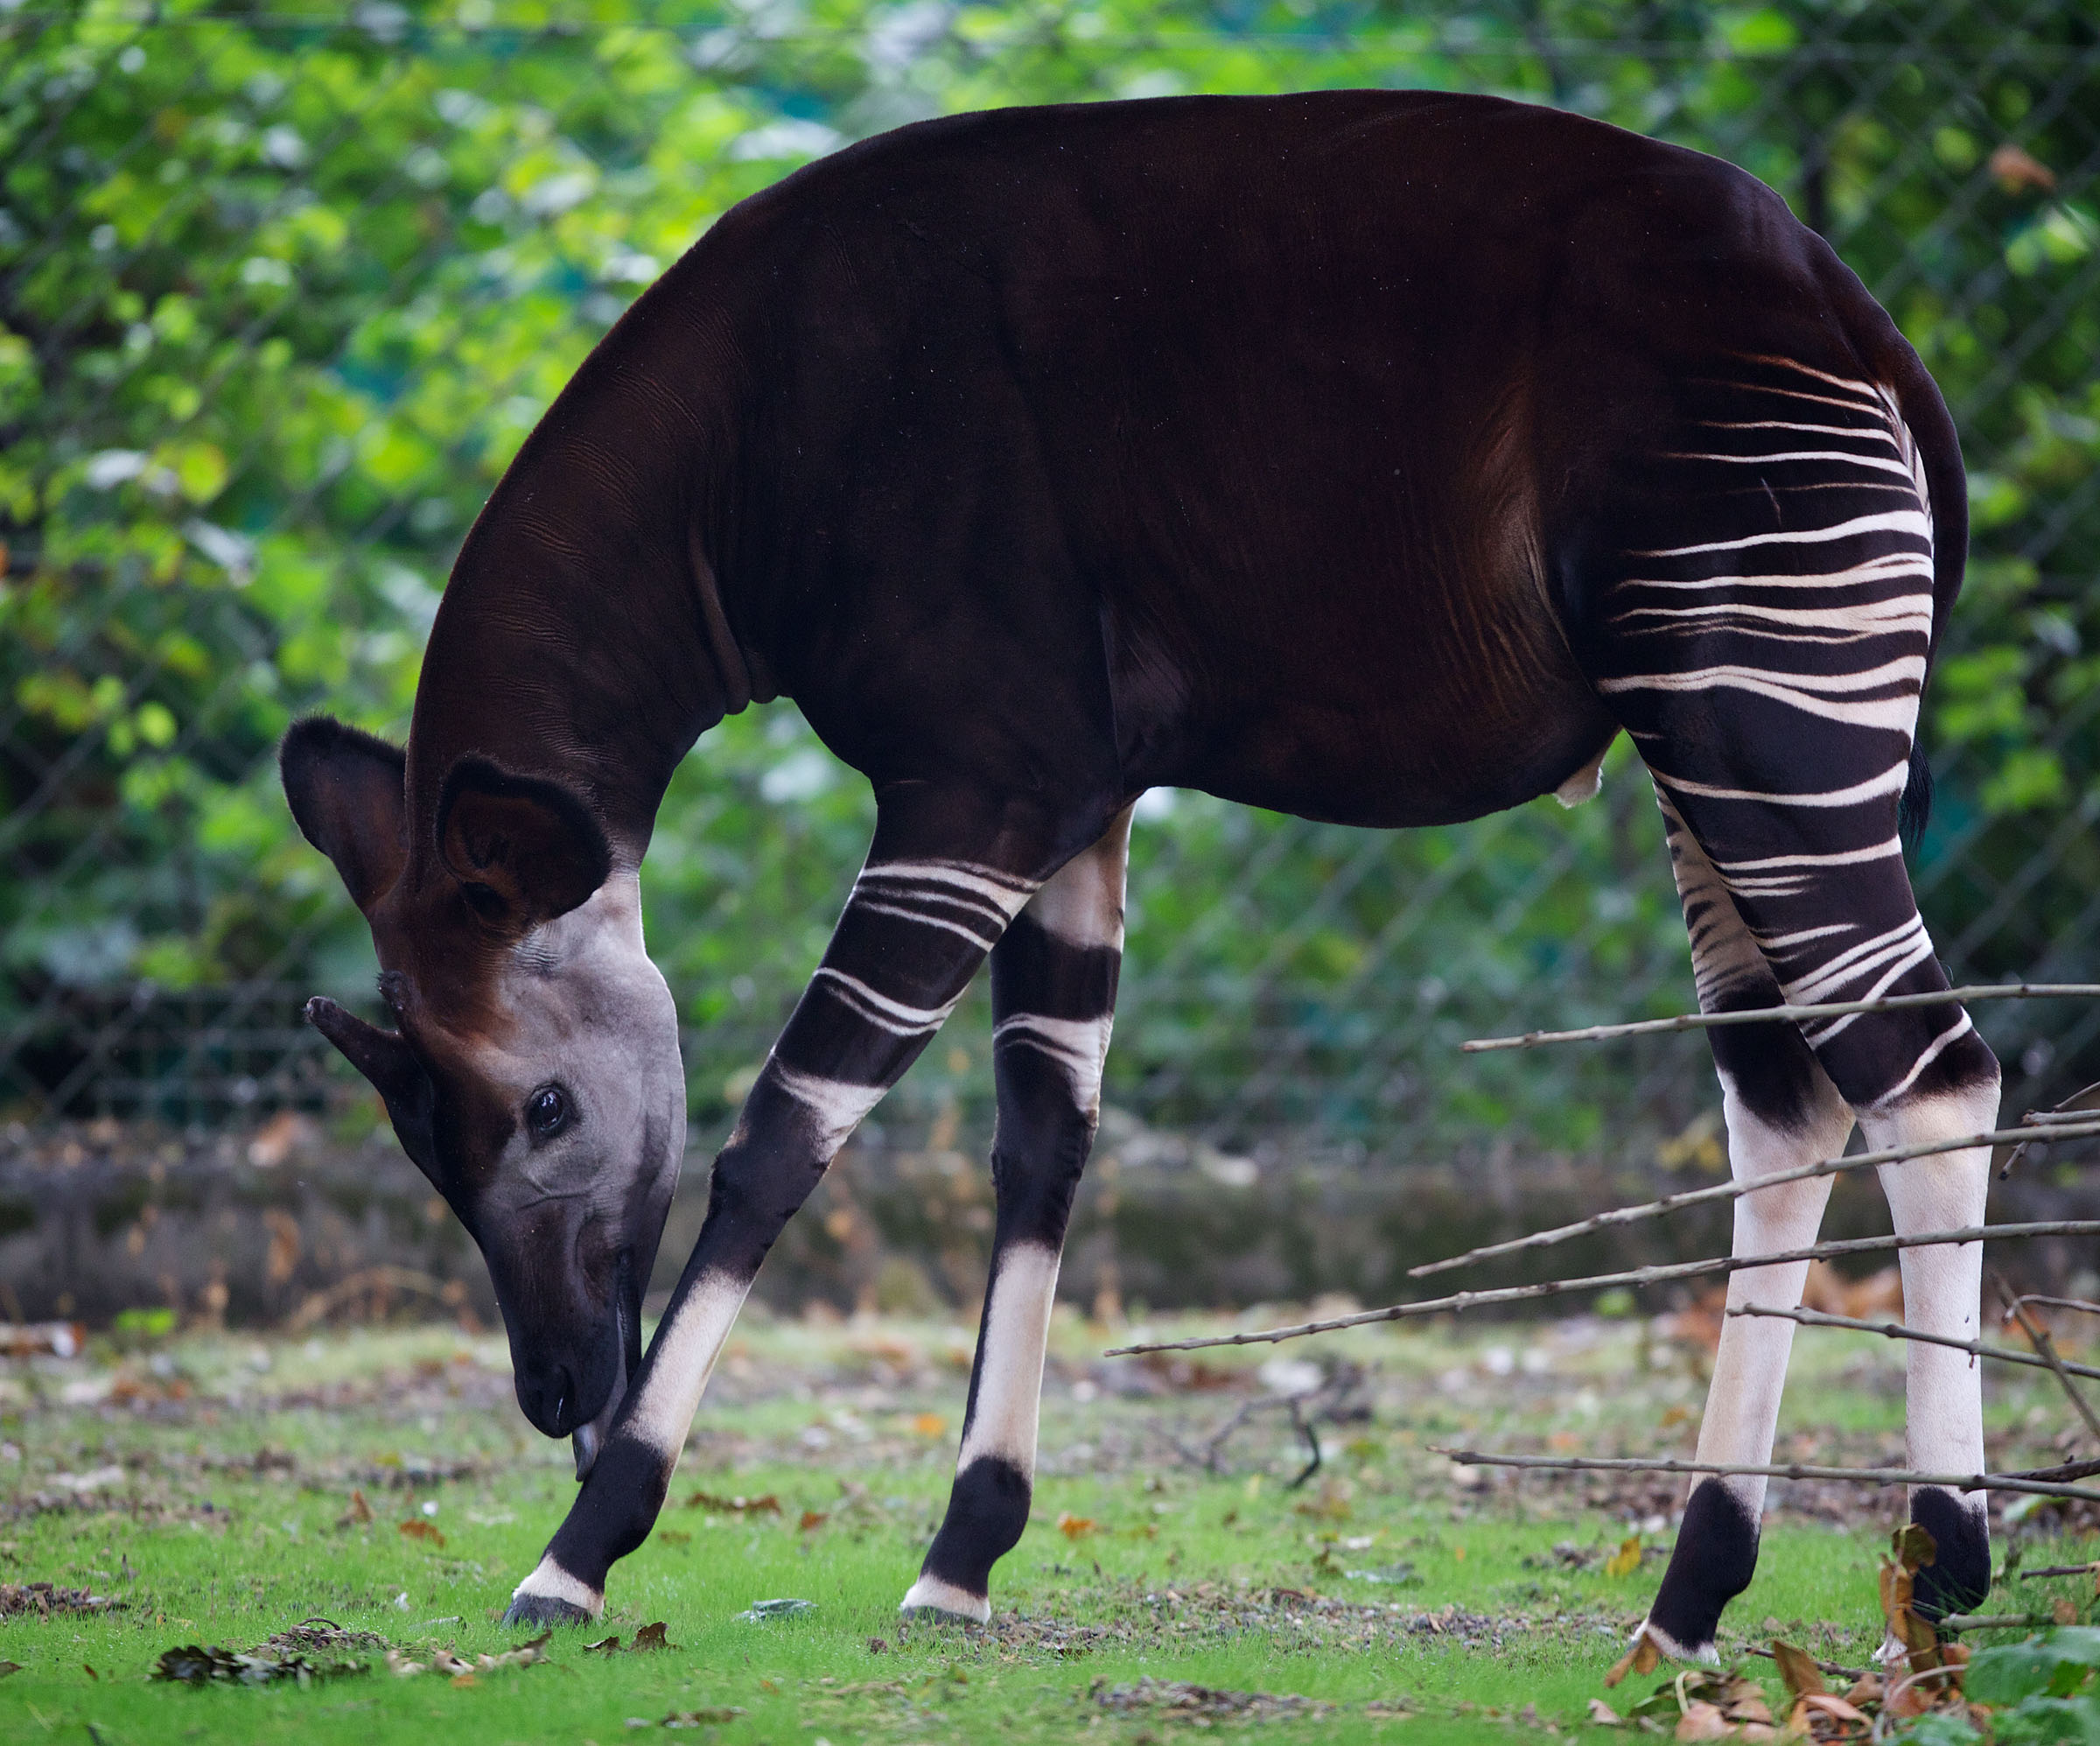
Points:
348	792
523	849
385	1058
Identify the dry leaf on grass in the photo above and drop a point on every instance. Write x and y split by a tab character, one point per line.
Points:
1797	1667
1075	1527
358	1515
1627	1559
1642	1658
416	1528
767	1505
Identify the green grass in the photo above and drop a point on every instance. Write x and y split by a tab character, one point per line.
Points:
238	1458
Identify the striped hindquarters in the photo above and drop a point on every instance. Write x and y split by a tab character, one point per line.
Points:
1768	653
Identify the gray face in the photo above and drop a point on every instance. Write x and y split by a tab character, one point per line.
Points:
559	1127
535	1077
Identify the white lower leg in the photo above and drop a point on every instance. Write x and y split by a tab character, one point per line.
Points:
1942	1294
1716	1548
995	1466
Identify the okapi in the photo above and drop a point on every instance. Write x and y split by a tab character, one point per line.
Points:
1376	457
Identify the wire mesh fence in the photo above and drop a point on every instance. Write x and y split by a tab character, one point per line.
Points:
280	293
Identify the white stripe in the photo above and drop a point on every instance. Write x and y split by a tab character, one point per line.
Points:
838	1105
681	1358
1891	781
1876	434
1784	363
1857	960
1953	1033
1874	461
1009	1372
1843	858
1886	567
1896	522
1003	891
878	1009
1800	937
1897	713
911	891
1080	1045
868	906
1880	617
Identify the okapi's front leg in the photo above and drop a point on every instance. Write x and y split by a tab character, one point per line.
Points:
914	932
1054	1000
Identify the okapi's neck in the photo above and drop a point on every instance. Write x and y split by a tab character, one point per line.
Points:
582	637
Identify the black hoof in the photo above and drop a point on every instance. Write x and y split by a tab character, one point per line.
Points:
545	1610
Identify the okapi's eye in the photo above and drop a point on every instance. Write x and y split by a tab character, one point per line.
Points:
547	1112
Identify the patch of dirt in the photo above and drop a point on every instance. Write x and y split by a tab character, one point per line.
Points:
1180	1700
47	1598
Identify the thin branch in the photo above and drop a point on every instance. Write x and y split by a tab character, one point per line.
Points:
1729	1191
1762	1015
1957	1623
2077	1303
2075	1108
2038	1336
2054	1570
1854	1476
1896	1330
1634	1278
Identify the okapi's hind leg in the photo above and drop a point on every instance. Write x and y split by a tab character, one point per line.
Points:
1053	999
935	895
1765	642
1782	1111
1766	928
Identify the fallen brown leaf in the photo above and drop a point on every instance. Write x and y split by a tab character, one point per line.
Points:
416	1528
1703	1721
767	1505
1642	1658
1797	1667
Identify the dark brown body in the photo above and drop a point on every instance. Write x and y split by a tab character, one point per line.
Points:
1298	515
1371	456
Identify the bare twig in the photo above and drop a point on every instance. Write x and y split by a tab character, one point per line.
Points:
1955	1623
1729	1191
2038	1336
1896	1330
1758	1015
2077	1303
2075	1108
2056	1570
1854	1476
1635	1278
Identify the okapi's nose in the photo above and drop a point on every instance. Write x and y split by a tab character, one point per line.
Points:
549	1399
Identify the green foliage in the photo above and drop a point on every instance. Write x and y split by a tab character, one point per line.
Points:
2040	1691
280	294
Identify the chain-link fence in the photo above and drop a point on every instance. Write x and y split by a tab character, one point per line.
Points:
280	293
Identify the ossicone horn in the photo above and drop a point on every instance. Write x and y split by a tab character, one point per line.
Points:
385	1058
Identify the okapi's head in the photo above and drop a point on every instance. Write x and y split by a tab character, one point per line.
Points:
534	1076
